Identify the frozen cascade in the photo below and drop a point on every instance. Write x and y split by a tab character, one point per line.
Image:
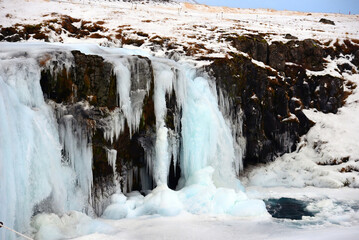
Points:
234	120
207	139
78	151
163	85
52	160
32	170
208	151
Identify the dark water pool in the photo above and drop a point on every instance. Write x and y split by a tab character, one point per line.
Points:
288	208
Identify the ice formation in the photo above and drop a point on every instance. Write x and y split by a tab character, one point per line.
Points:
33	174
210	153
46	160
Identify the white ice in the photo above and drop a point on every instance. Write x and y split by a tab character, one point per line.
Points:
32	173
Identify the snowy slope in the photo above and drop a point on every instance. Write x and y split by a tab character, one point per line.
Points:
183	25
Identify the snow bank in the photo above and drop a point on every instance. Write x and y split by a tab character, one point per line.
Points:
69	225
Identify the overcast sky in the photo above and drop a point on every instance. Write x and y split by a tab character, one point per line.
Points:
332	6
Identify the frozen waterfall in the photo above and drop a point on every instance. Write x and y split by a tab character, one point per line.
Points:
46	160
34	175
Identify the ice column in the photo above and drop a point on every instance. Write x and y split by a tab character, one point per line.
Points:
206	137
30	152
164	76
33	174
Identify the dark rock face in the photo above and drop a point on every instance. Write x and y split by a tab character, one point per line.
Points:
277	55
326	21
307	53
273	121
254	45
272	100
91	79
289	36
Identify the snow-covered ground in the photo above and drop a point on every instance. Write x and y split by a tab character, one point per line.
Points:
336	217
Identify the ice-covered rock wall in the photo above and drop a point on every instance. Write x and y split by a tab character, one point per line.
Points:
77	128
45	166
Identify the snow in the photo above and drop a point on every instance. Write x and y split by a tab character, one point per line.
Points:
336	217
182	23
69	225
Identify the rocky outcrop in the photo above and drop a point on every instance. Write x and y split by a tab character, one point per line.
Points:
307	53
273	117
273	97
326	21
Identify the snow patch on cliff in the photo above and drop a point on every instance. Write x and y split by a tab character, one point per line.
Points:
327	156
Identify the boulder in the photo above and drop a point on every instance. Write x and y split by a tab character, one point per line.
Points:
326	21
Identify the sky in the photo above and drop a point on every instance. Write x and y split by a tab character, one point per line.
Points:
329	6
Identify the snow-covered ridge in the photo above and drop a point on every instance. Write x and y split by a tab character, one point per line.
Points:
190	29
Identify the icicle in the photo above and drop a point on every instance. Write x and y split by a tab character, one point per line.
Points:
148	145
111	158
115	124
130	90
173	147
75	143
